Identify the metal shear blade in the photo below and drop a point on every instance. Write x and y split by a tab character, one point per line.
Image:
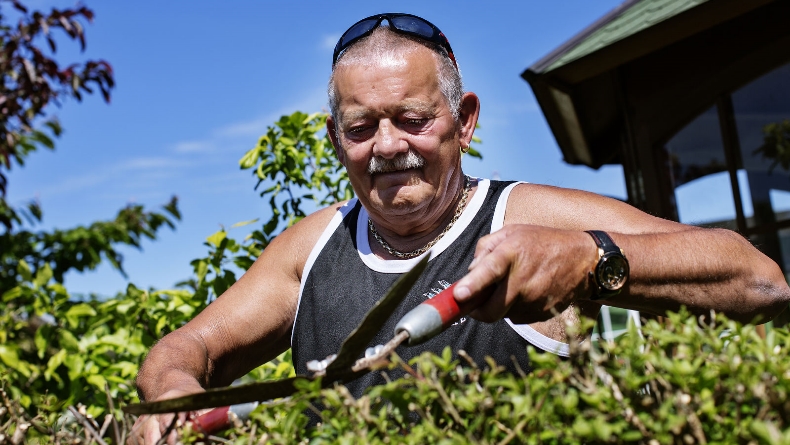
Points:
340	370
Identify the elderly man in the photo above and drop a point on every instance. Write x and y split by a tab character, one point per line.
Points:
400	123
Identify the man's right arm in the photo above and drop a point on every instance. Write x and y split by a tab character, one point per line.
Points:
246	326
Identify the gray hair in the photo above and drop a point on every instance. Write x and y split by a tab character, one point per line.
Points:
386	44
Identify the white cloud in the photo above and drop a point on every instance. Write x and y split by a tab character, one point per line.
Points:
193	147
186	160
152	168
253	127
75	183
329	41
249	130
148	163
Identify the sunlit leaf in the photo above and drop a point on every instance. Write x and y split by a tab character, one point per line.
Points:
77	311
9	356
244	223
217	238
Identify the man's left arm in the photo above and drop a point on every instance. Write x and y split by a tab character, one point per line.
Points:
539	263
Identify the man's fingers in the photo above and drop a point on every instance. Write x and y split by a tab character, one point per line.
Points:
486	245
150	431
492	306
490	269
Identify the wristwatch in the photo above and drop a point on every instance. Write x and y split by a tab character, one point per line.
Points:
611	272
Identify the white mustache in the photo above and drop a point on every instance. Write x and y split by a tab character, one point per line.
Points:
402	161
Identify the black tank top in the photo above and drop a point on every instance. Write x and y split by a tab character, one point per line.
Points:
342	284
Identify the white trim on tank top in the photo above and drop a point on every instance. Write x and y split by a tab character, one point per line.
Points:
400	266
319	246
526	331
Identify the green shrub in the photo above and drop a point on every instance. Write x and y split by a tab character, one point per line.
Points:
682	383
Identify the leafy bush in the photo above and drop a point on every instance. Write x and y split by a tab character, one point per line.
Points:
684	382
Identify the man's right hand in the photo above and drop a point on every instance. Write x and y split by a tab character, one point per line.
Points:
150	428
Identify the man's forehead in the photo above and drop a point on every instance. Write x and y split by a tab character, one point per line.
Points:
392	57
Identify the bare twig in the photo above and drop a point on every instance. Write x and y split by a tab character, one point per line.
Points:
448	404
251	437
381	357
111	406
88	427
162	440
8	405
464	355
19	434
520	371
125	428
502	427
696	427
512	434
107	421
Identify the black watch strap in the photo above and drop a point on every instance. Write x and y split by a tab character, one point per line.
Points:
604	241
611	258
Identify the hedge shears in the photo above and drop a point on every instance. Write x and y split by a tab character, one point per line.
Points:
420	324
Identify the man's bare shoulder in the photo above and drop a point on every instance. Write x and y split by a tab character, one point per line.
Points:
250	322
571	209
276	274
298	241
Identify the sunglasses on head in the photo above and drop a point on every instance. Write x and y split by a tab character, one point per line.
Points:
402	23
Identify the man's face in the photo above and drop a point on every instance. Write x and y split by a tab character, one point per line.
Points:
386	110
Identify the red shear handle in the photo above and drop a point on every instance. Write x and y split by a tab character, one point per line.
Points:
445	304
433	316
213	421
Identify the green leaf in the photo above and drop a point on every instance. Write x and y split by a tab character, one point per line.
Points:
160	324
243	262
79	310
54	362
13	294
125	368
43	275
767	432
244	223
201	269
123	307
217	238
9	356
68	341
76	365
23	269
185	309
250	158
582	428
41	339
97	380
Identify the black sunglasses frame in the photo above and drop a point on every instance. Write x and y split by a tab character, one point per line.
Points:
375	21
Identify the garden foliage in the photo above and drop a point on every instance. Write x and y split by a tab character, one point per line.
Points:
678	383
68	362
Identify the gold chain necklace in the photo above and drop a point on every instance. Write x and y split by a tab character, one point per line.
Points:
415	253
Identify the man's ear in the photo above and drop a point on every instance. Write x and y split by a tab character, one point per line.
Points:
470	111
332	131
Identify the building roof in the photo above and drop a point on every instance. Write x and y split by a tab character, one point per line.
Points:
627	19
578	85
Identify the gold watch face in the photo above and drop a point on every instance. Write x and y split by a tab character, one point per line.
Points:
612	272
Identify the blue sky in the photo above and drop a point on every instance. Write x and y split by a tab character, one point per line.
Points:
199	81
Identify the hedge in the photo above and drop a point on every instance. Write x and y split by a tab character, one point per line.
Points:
682	382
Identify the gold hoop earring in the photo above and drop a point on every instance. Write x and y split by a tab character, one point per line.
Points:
465	150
